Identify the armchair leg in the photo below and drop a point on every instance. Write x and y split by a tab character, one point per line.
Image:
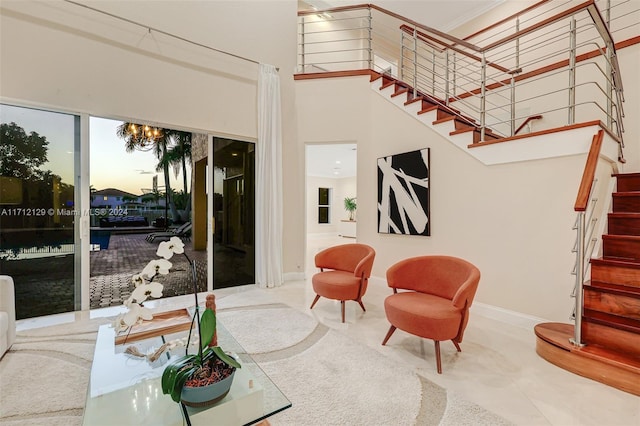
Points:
457	346
438	360
389	333
342	303
314	301
361	305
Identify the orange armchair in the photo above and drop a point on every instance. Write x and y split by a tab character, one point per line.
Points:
436	305
344	273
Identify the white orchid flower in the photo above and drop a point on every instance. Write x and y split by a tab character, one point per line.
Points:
167	249
137	279
143	291
118	324
160	266
136	315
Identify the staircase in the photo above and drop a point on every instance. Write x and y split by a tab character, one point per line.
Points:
438	110
611	307
466	133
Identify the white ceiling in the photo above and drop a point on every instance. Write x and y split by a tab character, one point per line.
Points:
443	15
331	160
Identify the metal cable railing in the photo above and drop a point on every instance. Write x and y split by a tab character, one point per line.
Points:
557	60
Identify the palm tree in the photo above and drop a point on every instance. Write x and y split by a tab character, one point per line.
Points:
179	154
144	138
177	157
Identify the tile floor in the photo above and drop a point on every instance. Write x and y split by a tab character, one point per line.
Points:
497	368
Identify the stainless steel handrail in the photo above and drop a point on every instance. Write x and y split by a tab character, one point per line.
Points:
484	76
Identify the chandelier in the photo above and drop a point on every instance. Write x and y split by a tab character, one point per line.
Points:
145	133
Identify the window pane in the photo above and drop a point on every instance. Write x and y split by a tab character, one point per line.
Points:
323	214
234	213
323	196
38	208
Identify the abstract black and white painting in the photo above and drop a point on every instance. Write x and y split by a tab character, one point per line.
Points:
403	193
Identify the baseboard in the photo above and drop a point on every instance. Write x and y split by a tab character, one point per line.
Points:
497	313
505	315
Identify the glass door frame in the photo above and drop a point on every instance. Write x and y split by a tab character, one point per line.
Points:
81	240
210	213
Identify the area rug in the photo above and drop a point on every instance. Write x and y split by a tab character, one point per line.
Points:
329	378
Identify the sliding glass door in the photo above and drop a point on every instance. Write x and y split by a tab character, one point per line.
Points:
233	212
39	216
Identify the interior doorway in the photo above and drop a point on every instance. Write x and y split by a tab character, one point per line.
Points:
331	178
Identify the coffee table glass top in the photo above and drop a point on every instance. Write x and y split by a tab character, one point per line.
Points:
125	389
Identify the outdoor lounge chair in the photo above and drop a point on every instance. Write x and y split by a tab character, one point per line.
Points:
183	231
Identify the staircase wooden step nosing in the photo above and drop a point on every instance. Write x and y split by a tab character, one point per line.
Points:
626	175
616	262
612	321
629	215
631	238
619	289
627	194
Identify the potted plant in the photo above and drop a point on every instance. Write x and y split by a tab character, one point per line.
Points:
198	379
203	378
350	206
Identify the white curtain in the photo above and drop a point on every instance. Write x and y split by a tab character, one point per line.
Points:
269	180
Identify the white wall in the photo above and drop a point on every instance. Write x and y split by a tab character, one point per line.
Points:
64	57
513	221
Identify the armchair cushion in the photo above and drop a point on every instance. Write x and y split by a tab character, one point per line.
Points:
423	315
337	285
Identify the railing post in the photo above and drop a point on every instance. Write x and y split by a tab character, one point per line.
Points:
370	39
446	77
483	95
302	50
610	102
415	59
401	62
433	72
577	328
572	72
513	81
455	71
609	71
512	120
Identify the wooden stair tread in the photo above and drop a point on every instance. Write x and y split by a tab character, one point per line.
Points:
624	263
463	123
558	335
621	237
625	214
612	288
626	175
627	194
612	320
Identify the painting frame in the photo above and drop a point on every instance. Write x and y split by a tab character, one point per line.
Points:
404	189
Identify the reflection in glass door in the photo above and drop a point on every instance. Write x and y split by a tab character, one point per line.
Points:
233	213
38	199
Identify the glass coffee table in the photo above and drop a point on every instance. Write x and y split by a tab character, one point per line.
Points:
125	389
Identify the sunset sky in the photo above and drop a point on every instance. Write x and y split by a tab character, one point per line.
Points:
110	165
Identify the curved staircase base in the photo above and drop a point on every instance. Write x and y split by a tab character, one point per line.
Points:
594	362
